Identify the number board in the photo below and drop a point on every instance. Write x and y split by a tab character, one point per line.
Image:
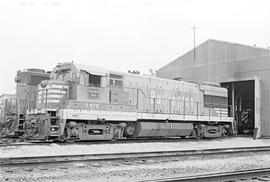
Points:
93	93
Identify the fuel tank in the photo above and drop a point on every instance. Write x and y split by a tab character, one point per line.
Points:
148	129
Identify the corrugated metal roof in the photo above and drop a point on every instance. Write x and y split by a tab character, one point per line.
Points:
208	54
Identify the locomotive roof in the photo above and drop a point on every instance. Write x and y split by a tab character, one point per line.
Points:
103	72
92	69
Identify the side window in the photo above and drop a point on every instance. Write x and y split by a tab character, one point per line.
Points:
116	80
118	83
94	80
111	82
35	80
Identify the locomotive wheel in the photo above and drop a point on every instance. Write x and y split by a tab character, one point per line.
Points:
129	130
67	138
225	131
70	140
114	138
198	133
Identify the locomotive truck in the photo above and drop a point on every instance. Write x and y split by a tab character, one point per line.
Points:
81	102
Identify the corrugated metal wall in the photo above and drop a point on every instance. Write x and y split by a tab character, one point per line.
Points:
219	61
259	67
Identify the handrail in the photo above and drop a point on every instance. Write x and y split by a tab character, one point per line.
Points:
143	93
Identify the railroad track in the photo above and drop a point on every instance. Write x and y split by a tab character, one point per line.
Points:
123	156
254	175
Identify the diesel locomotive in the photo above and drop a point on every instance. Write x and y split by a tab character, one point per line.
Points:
81	102
13	110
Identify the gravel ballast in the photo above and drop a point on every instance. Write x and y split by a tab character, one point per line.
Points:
116	171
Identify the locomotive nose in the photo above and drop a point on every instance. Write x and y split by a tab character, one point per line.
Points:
51	94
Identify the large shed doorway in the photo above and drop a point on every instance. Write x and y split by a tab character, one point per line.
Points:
244	99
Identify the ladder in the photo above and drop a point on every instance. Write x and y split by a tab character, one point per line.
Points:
21	121
55	129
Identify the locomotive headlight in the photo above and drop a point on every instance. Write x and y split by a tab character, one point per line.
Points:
43	84
53	129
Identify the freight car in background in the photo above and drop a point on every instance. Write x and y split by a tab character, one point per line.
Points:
14	109
86	103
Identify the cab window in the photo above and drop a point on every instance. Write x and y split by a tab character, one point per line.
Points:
116	80
94	80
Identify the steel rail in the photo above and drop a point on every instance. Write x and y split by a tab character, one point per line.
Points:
262	174
128	155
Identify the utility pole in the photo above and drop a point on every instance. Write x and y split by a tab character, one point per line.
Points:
194	31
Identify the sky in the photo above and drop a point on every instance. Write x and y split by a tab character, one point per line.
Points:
120	35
